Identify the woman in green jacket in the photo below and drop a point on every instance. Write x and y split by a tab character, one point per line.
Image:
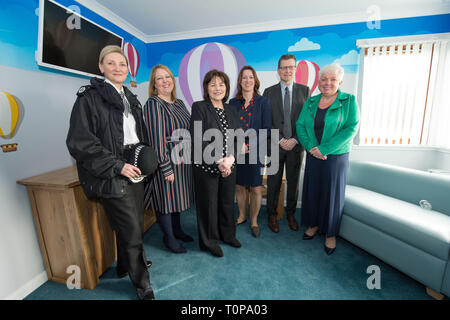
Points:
326	127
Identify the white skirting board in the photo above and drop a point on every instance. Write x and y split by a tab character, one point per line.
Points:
29	287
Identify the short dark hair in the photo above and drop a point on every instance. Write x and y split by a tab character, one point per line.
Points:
286	57
207	79
239	85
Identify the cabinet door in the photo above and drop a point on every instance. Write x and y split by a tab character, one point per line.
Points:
99	236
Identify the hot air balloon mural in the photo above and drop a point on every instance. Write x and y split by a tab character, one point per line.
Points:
10	118
133	61
307	74
197	62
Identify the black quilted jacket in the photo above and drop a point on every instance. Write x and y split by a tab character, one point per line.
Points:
95	138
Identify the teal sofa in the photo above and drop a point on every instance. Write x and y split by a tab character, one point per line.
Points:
382	215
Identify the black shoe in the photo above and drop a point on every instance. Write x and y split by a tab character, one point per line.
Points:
308	237
178	230
329	250
146	294
124	274
149	296
255	231
174	246
184	238
216	251
234	243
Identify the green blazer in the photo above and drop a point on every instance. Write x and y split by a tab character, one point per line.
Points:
341	124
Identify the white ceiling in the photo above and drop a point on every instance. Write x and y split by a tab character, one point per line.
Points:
166	20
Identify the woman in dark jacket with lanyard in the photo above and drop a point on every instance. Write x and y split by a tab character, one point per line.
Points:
214	170
106	122
254	113
326	127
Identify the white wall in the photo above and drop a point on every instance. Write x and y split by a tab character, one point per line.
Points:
442	158
47	99
415	158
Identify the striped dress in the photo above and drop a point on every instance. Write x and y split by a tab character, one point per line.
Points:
162	119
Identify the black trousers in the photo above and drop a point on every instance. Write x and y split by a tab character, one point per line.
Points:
214	201
293	161
126	216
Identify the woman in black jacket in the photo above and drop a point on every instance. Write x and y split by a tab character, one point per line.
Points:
214	172
105	124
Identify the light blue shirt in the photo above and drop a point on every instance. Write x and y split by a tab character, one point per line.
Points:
283	88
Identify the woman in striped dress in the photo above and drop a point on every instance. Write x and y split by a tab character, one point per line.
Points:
171	190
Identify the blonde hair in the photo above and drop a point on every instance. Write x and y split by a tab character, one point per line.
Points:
110	49
152	91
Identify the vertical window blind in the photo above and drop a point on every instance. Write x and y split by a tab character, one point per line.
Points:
439	98
403	100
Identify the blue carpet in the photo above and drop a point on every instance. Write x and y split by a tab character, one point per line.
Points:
272	267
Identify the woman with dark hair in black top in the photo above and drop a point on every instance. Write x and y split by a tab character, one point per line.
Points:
215	178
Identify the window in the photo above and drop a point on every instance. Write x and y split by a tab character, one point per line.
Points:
404	101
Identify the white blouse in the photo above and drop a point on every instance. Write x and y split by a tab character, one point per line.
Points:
129	123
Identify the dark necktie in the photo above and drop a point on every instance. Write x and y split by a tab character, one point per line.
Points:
287	130
126	104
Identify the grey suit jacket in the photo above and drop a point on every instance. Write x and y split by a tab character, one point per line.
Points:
299	95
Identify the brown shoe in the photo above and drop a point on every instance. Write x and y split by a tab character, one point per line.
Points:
273	224
292	222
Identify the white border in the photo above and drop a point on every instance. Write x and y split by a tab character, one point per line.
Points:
423	38
40	40
302	22
296	23
94	6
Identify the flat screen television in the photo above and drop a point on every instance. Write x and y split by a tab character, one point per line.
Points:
70	43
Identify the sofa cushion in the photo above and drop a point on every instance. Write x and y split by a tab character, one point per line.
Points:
427	230
402	183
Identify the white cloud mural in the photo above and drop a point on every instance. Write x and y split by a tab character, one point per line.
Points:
303	45
350	58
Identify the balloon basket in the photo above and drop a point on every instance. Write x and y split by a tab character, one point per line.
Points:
9	147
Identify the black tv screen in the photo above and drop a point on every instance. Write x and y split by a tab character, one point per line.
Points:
71	43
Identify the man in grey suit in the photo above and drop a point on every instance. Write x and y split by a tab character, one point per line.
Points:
286	101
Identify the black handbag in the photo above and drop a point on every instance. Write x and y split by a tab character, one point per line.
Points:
144	157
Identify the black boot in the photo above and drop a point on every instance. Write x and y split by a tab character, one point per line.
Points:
165	223
146	294
177	230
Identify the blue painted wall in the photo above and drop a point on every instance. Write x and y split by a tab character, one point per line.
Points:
19	34
335	42
19	24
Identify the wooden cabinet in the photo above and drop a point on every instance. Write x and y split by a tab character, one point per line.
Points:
72	229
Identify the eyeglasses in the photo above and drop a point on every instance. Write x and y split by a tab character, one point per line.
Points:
287	68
